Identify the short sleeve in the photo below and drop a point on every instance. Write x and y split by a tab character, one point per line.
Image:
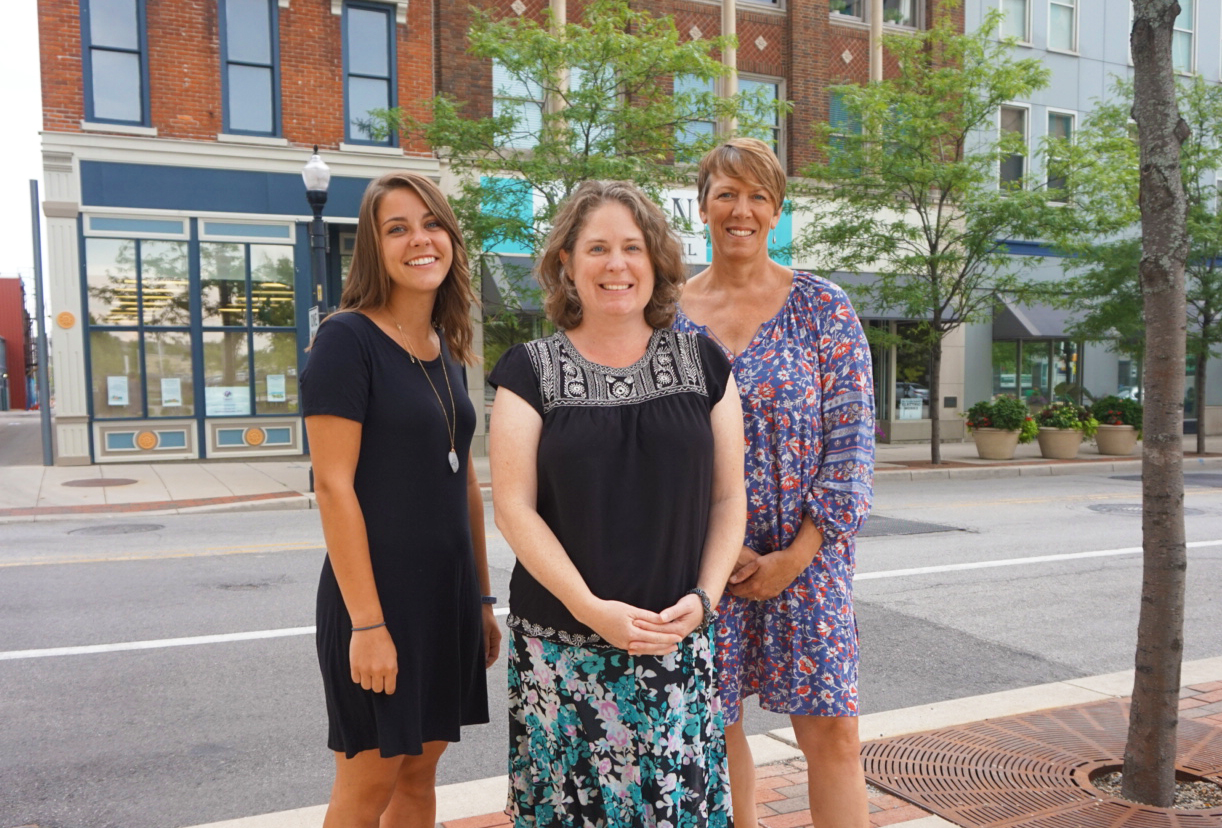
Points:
336	377
515	372
716	368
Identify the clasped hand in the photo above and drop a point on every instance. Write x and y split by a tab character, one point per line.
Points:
642	632
759	577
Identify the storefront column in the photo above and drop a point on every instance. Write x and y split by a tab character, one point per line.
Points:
62	208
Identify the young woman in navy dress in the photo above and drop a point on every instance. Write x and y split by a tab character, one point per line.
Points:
402	638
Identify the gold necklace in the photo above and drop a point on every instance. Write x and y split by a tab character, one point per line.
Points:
452	418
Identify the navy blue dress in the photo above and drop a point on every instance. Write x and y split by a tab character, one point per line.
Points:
416	519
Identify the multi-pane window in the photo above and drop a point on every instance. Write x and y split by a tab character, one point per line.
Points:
115	54
895	12
1060	128
1013	166
849	8
693	132
1182	37
139	328
1063	25
767	92
1016	20
899	12
520	98
250	78
369	68
842	122
249	338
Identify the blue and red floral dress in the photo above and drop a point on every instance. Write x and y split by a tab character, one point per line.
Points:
808	407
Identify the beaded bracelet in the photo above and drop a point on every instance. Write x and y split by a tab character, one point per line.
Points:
706	605
370	627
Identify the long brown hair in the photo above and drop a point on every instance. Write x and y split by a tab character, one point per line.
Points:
665	252
368	285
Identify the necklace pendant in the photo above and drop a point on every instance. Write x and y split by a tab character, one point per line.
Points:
453	461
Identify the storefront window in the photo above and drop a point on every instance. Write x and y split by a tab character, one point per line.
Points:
275	373
115	361
1035	378
226	374
271	286
1005	368
164	294
168	374
911	372
223	283
112	287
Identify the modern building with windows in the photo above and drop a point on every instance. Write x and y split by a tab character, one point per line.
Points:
174	135
1028	351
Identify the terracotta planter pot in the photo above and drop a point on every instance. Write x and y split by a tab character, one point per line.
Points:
995	443
1060	443
1116	440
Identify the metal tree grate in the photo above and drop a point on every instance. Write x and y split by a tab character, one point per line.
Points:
1033	770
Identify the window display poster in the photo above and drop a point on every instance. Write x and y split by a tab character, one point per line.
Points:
910	408
221	400
275	388
171	391
116	391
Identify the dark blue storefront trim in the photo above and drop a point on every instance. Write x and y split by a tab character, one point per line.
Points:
196	190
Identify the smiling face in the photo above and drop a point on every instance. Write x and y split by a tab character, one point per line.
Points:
610	265
739	215
416	249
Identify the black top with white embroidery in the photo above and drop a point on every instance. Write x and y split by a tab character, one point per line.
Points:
625	471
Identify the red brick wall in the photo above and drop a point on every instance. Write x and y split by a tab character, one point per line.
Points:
184	63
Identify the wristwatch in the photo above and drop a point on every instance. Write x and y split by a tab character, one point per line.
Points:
487	599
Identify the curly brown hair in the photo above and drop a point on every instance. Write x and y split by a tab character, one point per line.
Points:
368	284
561	303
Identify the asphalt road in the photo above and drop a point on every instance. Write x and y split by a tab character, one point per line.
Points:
178	736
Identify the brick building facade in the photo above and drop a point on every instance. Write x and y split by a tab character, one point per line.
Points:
174	133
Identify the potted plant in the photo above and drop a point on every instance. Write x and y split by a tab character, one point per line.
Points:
1062	425
1119	425
999	425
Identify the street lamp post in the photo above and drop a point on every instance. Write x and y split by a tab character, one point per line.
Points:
317	176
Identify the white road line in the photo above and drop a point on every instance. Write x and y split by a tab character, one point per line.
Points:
503	611
159	643
1069	556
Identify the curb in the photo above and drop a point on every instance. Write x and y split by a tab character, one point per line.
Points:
283	501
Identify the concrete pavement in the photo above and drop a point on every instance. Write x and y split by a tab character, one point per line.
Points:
37	492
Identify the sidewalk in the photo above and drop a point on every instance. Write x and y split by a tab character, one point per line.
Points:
48	493
781	772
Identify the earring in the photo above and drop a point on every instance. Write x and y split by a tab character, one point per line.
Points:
706	232
774	238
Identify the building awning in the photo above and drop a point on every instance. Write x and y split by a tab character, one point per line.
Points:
509	281
1015	321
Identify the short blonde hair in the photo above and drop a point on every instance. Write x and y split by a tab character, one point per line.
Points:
747	159
665	251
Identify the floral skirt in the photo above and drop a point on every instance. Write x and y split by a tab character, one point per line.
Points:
602	739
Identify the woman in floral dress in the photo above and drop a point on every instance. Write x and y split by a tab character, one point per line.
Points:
616	460
786	630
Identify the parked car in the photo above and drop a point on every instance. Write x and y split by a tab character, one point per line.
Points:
909	390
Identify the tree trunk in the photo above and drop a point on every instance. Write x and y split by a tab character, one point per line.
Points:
935	396
1149	759
1198	379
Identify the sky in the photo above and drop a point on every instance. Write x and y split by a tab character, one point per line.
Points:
20	154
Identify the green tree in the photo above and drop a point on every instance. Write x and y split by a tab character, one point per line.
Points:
597	99
1100	169
911	169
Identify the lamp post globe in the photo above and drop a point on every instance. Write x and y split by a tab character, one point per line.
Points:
317	177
